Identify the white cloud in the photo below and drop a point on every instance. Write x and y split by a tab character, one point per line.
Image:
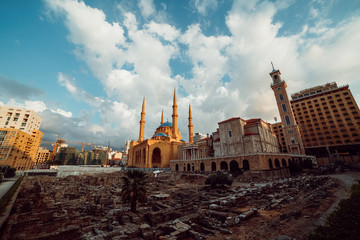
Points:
62	112
203	6
95	38
229	73
37	106
166	31
147	7
68	83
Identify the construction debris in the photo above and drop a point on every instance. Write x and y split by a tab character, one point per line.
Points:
179	206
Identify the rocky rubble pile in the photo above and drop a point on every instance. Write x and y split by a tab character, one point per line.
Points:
178	207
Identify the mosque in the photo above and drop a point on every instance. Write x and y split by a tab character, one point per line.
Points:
163	146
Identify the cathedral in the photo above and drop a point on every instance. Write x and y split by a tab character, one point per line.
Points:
163	146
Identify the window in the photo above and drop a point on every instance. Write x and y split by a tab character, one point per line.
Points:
287	120
284	107
230	133
281	97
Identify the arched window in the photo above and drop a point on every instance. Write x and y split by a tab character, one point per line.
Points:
281	97
277	163
270	164
246	165
234	166
202	167
176	167
224	166
284	107
156	158
213	166
287	120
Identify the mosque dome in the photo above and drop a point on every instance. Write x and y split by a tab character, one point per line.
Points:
161	135
166	124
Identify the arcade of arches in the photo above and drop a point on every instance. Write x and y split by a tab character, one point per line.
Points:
259	162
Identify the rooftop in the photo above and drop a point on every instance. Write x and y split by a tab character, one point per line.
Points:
315	90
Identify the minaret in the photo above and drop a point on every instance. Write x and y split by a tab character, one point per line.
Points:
142	123
291	132
191	137
162	117
174	118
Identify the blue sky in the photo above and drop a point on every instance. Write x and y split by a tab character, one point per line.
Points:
85	66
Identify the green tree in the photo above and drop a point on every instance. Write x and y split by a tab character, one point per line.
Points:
134	187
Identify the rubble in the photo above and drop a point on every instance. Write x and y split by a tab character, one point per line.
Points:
178	207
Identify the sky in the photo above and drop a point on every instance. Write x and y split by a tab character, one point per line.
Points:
85	66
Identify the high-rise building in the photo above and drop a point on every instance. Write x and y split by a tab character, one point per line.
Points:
290	129
19	118
43	155
18	149
277	129
329	121
20	137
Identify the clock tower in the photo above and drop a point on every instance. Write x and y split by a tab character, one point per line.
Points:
294	144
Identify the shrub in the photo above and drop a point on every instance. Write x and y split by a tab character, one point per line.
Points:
10	173
344	222
218	179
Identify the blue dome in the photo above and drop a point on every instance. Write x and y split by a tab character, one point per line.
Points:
166	124
160	135
182	140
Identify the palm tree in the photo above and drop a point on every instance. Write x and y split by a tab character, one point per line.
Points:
134	187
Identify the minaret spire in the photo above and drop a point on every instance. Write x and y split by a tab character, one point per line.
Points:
142	123
174	117
162	117
191	137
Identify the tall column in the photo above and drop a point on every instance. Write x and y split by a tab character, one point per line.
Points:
291	131
174	118
191	137
142	123
162	117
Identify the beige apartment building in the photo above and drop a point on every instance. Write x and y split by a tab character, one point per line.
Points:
19	118
329	121
277	128
18	149
43	155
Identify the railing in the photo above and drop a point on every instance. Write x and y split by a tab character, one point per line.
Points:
278	82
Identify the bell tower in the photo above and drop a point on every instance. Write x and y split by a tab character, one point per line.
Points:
291	132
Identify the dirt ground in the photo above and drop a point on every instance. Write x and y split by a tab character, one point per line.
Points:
179	206
269	225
